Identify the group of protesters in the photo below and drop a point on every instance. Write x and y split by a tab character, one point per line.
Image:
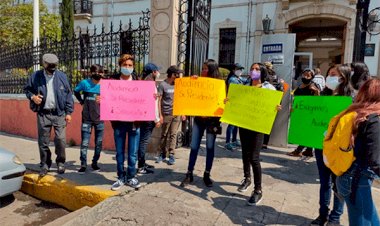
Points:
51	98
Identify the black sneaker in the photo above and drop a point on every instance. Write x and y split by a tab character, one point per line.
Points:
95	167
188	179
144	170
255	198
147	166
320	221
43	171
244	184
82	170
207	179
61	168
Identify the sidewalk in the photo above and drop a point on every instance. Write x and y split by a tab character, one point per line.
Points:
290	189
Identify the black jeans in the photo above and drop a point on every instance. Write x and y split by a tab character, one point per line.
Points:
251	144
146	129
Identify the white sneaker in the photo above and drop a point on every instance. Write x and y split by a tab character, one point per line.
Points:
117	185
133	182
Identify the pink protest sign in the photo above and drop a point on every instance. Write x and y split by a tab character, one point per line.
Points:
123	100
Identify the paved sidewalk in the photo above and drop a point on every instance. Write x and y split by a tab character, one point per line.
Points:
290	189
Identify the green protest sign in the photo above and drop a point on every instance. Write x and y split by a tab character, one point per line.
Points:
251	108
310	118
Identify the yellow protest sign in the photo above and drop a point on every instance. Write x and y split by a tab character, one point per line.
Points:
251	108
199	96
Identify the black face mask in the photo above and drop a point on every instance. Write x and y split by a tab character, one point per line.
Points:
50	68
306	80
96	77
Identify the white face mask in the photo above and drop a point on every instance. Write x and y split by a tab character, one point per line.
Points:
332	82
238	72
158	75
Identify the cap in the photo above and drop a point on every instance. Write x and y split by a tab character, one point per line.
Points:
150	67
174	70
50	58
238	66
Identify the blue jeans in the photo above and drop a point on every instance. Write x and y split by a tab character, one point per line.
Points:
196	137
86	135
363	211
231	130
325	179
146	129
120	131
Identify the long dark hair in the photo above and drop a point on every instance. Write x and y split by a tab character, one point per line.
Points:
213	68
344	88
361	74
263	72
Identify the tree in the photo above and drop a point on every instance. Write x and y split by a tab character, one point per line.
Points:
16	23
67	17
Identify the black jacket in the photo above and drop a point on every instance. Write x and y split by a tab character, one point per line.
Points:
367	144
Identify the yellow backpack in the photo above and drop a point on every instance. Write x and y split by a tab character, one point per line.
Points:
338	150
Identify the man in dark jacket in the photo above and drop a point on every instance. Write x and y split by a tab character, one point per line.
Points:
51	98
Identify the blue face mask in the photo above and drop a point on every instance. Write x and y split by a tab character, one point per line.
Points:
126	71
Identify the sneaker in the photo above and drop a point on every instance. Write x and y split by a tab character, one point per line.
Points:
171	160
159	159
255	198
207	179
333	224
236	143
264	147
147	166
43	171
95	167
117	185
296	153
61	168
244	184
188	179
229	146
133	182
320	220
82	170
144	170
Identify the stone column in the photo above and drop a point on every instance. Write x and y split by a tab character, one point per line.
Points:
163	48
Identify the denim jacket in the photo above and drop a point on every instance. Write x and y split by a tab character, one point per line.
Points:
36	84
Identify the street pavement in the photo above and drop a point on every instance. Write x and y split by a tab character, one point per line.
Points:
290	189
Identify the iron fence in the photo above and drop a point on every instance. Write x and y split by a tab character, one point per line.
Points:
76	55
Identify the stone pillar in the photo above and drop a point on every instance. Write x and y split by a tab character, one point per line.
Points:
163	47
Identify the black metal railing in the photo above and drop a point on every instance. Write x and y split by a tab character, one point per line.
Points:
76	55
83	7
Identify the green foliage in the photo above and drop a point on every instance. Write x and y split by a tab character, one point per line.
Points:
16	23
67	17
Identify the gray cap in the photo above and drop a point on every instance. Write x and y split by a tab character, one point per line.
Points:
50	58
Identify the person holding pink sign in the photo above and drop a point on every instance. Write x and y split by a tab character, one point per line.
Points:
121	128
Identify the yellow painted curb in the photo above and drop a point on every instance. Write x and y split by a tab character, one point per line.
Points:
64	192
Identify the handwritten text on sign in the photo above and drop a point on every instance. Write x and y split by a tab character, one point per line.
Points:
199	96
127	100
251	107
311	116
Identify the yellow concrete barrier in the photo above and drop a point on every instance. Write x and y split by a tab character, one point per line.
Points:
63	192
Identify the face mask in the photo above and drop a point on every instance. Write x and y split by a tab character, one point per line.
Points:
306	80
50	68
238	72
126	71
332	82
352	73
96	77
158	75
204	73
255	75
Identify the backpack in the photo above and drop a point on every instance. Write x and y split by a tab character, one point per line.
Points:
338	149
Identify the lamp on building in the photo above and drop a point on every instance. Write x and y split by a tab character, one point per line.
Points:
266	24
373	18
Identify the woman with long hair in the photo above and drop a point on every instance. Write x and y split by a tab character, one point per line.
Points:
337	84
210	69
355	184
